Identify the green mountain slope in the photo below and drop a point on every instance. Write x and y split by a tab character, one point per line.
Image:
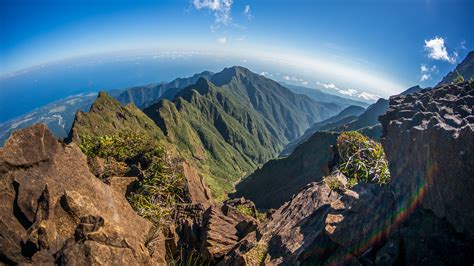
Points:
237	121
279	179
107	116
346	116
144	96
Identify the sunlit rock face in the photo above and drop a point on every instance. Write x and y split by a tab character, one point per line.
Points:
429	141
53	210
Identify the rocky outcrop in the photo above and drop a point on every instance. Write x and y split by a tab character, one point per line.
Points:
429	141
423	216
54	210
223	226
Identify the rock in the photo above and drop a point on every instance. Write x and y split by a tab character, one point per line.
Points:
223	226
197	190
122	184
423	216
53	209
431	152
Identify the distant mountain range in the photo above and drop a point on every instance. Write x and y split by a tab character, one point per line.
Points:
59	115
321	96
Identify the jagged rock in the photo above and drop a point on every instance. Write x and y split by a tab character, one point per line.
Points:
424	216
54	210
246	206
223	226
429	141
197	190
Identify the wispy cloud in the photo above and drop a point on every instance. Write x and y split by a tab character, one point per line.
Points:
350	92
437	50
222	40
220	8
247	12
426	71
368	96
295	80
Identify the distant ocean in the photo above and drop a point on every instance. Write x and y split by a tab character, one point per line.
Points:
26	90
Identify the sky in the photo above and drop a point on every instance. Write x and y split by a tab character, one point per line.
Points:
365	49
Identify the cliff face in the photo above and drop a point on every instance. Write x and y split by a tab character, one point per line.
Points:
429	141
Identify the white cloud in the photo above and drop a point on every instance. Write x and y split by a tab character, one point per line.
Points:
368	96
425	77
222	40
247	12
295	79
426	71
220	8
264	73
328	85
350	92
437	50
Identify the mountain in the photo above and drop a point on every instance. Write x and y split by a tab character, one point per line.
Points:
465	68
107	116
279	179
346	116
144	96
411	90
235	121
321	96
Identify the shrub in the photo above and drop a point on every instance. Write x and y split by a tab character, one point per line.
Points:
362	159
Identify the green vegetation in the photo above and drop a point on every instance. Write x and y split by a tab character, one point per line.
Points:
333	183
459	78
257	255
362	159
161	180
245	210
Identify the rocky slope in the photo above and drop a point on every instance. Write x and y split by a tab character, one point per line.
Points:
465	69
423	216
434	128
55	211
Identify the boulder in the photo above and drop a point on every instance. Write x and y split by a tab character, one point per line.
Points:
53	209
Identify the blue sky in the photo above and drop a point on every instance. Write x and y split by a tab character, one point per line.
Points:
378	47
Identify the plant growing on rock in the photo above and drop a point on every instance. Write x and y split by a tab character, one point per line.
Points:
362	159
161	185
458	79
